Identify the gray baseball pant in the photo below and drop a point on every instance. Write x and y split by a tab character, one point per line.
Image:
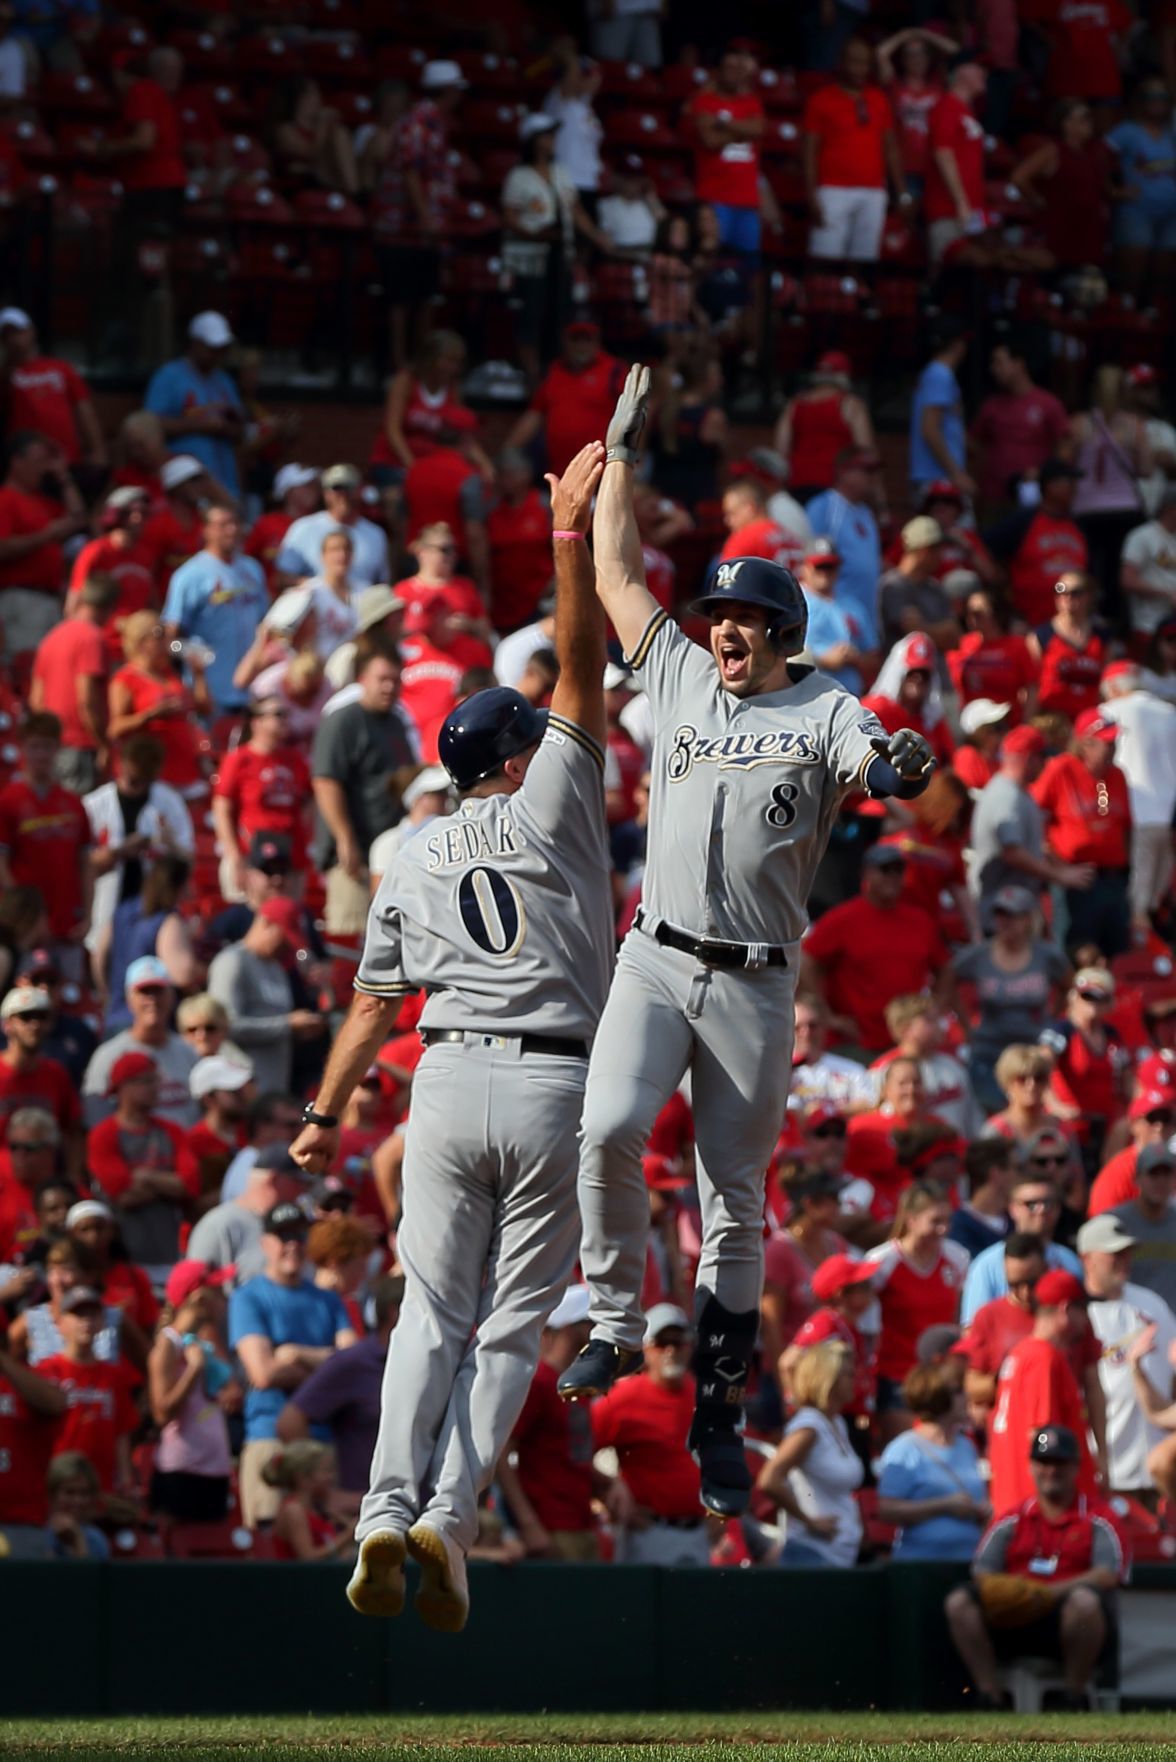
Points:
733	1030
488	1244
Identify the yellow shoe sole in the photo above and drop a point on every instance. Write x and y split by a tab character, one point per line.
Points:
376	1587
439	1603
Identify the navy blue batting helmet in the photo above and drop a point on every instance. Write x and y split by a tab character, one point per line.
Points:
487	729
753	581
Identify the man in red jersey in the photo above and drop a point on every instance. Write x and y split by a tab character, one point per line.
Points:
645	1419
850	151
954	198
69	680
518	533
1056	1557
750	530
1039	545
39	509
176	532
574	402
726	120
1036	1387
1085	39
119	551
48	395
29	1078
1152	1116
99	1412
1019	427
45	839
30	1409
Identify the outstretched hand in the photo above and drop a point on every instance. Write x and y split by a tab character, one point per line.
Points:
572	494
908	752
628	419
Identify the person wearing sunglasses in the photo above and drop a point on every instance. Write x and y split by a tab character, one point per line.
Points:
1089	1081
1087	807
1071	650
1035	1209
1151	1119
263	787
28	1078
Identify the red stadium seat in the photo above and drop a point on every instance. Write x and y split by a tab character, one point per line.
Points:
269	56
399	61
630	83
643	132
487	120
328	208
678	83
203	52
74	94
210	1541
779	91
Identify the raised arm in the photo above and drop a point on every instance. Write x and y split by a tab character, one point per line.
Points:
579	619
620	566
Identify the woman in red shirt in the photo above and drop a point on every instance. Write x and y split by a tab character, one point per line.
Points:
914	90
303	1529
147	697
1088	1083
1070	650
263	786
821	422
918	1278
990	662
423	411
1074	208
1087	808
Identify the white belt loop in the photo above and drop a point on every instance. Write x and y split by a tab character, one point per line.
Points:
757	956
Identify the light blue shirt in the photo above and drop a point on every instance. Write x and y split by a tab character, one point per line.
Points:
912	1467
221	604
176	388
302	548
830	623
854	530
987	1278
300	1316
938	388
237	1174
1148	163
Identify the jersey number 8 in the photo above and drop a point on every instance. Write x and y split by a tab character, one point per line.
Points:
781	810
491	911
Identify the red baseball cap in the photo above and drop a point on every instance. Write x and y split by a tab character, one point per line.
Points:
1094	725
1023	740
664	1173
1146	1101
127	1068
188	1276
287	915
837	1274
820	1114
1143	373
920	653
1157	1072
1058	1286
834	361
1116	669
942	490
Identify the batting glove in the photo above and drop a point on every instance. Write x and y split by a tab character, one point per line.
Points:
908	752
628	419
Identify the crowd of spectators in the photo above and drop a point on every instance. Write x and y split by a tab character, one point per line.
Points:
225	671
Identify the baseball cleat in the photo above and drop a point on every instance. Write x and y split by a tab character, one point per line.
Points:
443	1600
596	1369
726	1479
376	1587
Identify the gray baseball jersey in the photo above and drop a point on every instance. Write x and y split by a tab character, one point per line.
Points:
744	791
503	911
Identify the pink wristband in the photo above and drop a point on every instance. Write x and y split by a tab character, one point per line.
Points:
560	533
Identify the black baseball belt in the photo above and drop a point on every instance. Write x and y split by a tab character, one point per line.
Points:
711	951
550	1045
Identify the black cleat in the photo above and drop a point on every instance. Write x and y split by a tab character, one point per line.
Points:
594	1370
726	1478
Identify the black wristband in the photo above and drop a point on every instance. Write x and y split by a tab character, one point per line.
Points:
310	1118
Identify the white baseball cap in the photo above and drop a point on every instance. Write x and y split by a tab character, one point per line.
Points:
26	1000
212	328
293	477
538	123
218	1073
427	782
289	609
180	469
126	496
86	1209
13	318
572	1308
436	76
663	1316
981	713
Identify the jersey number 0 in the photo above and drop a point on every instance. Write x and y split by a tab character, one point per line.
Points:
491	911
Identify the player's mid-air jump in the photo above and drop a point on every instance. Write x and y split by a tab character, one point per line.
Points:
503	913
753	754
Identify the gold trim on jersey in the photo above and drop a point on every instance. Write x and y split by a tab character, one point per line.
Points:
370	990
580	735
637	658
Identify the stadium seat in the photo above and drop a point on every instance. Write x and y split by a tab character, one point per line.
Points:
486	121
203	53
327	208
644	132
74	94
268	56
224	1540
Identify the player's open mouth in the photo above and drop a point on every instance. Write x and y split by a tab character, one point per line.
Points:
733	661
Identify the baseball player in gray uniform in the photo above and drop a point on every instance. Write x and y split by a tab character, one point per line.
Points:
753	755
503	914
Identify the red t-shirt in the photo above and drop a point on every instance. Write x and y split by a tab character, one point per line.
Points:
912	116
1001	1324
972	768
128	1288
1082	58
554	1440
1088	821
265	542
72	650
1069	675
1036	1388
44	1083
819	433
1049	549
269	793
763	538
18	1218
432	493
1083	1078
26	1445
913	1300
45	838
850	127
1115	1182
576	407
521	565
730	175
176	734
428	690
870	956
998	668
162	166
952	125
894	716
43	395
1018	434
646	1424
205	1157
786	1270
20	516
109	1167
99	1411
132	566
170	538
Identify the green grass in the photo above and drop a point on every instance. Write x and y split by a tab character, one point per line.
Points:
635	1737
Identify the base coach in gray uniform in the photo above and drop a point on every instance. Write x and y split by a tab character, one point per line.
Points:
753	755
503	914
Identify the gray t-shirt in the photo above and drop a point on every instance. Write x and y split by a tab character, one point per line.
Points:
1014	1007
1006	816
229	1235
1153	1263
257	995
744	791
899	593
360	750
503	911
175	1059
